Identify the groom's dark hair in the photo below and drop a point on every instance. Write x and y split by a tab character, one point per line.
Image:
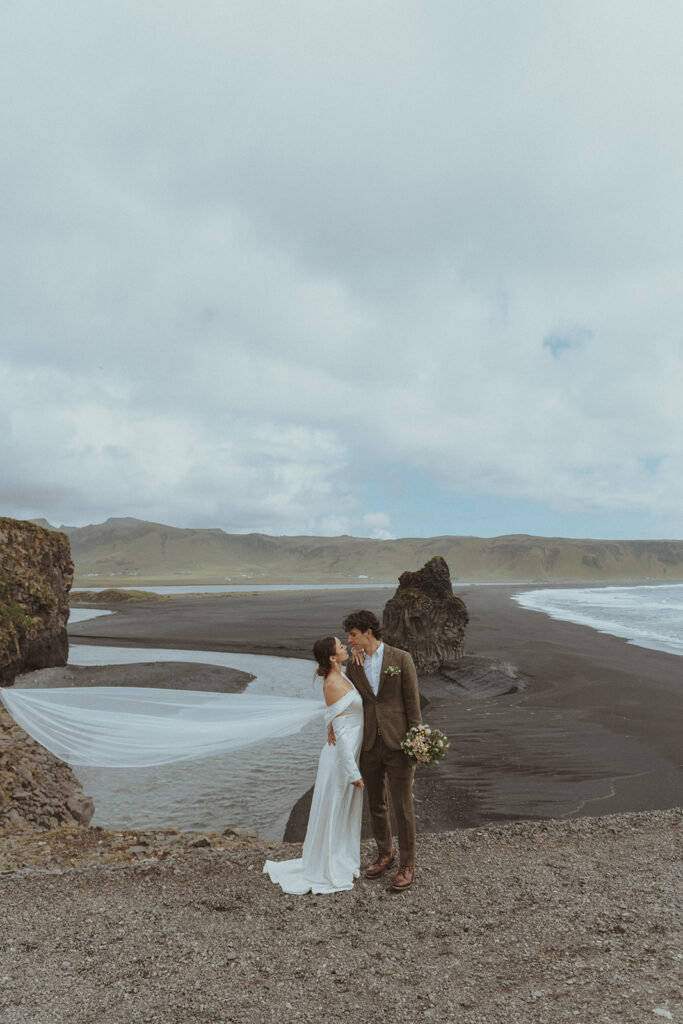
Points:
363	620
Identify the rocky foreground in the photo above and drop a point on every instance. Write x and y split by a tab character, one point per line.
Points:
37	790
538	922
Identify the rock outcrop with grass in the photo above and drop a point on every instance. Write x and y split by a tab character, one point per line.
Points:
36	573
37	791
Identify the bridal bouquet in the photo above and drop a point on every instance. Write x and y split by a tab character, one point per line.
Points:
423	745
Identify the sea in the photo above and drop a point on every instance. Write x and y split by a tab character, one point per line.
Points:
646	616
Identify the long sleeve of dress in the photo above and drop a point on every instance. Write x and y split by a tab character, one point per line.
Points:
346	736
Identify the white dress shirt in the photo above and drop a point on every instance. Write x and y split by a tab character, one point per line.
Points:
373	667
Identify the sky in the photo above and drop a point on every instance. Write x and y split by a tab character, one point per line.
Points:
372	268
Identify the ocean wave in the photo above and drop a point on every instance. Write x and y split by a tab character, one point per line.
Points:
647	616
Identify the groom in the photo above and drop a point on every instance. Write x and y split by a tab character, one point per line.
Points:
386	679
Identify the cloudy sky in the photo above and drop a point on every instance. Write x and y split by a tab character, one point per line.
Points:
380	268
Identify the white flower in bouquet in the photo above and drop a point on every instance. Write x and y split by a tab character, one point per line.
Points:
423	745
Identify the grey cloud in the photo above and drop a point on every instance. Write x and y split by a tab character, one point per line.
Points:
242	243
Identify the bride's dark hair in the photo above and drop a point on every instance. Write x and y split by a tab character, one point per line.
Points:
323	650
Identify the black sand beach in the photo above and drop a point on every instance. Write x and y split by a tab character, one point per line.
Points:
526	922
595	731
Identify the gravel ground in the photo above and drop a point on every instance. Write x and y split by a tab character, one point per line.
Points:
527	922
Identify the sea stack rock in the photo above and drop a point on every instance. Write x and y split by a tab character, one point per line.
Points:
36	573
425	617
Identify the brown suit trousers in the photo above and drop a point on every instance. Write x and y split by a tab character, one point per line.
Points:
387	718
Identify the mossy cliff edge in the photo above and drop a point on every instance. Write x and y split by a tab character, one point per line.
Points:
37	791
36	573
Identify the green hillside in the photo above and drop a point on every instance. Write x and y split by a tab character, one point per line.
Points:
124	552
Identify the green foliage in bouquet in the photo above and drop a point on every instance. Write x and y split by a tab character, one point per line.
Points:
423	745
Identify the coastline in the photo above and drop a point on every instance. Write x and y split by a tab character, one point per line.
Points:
596	730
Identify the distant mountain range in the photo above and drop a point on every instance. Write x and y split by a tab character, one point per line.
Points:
126	552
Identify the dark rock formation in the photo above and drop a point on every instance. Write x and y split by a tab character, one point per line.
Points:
37	791
426	618
36	573
478	678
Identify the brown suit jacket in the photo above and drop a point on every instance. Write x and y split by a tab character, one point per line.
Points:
396	708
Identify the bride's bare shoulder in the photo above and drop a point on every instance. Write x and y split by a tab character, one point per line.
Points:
334	689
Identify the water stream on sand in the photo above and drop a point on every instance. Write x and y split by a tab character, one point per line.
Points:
250	788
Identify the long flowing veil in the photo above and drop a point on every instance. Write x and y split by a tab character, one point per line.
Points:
136	727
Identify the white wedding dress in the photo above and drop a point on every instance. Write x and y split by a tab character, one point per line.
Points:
331	854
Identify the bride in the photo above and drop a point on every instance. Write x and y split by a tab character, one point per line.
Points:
331	854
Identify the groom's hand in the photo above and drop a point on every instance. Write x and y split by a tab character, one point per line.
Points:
331	738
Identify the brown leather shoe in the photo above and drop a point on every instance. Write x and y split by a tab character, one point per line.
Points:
381	865
404	878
